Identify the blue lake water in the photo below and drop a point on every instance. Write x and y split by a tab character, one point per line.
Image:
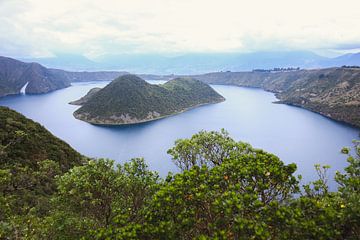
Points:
294	134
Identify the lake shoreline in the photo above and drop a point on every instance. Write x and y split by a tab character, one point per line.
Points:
101	123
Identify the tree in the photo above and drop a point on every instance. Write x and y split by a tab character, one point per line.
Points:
227	190
349	191
206	148
105	195
228	198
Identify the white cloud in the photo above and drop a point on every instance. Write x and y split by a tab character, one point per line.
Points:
42	27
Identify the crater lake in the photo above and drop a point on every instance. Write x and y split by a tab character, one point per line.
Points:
248	114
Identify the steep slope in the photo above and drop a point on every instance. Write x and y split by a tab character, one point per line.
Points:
130	99
333	92
11	72
26	142
15	74
30	158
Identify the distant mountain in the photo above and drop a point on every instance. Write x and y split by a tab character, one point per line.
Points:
351	59
333	92
15	74
196	63
89	76
130	99
245	61
71	62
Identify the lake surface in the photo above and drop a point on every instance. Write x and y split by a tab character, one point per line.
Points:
294	134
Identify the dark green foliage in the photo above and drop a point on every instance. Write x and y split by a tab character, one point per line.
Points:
30	158
226	190
104	197
349	191
207	148
228	198
248	196
27	143
133	96
98	191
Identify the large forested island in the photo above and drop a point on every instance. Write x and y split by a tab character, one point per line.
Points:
130	99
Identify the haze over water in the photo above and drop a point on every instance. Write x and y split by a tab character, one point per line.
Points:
294	134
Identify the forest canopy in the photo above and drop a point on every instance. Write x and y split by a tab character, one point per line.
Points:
224	190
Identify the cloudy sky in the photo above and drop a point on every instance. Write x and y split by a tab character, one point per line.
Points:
40	28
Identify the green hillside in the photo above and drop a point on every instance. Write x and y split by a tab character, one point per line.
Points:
30	158
130	99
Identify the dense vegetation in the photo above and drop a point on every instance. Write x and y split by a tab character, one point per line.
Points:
130	99
30	158
224	190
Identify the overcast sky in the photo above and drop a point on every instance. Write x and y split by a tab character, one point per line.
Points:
40	28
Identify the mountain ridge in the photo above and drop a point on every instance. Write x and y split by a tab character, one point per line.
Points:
332	92
199	63
15	74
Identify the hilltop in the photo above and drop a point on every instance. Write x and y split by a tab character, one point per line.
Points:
130	99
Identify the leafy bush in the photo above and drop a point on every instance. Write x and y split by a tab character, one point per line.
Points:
225	190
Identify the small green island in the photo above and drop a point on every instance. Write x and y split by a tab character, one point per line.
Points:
130	99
